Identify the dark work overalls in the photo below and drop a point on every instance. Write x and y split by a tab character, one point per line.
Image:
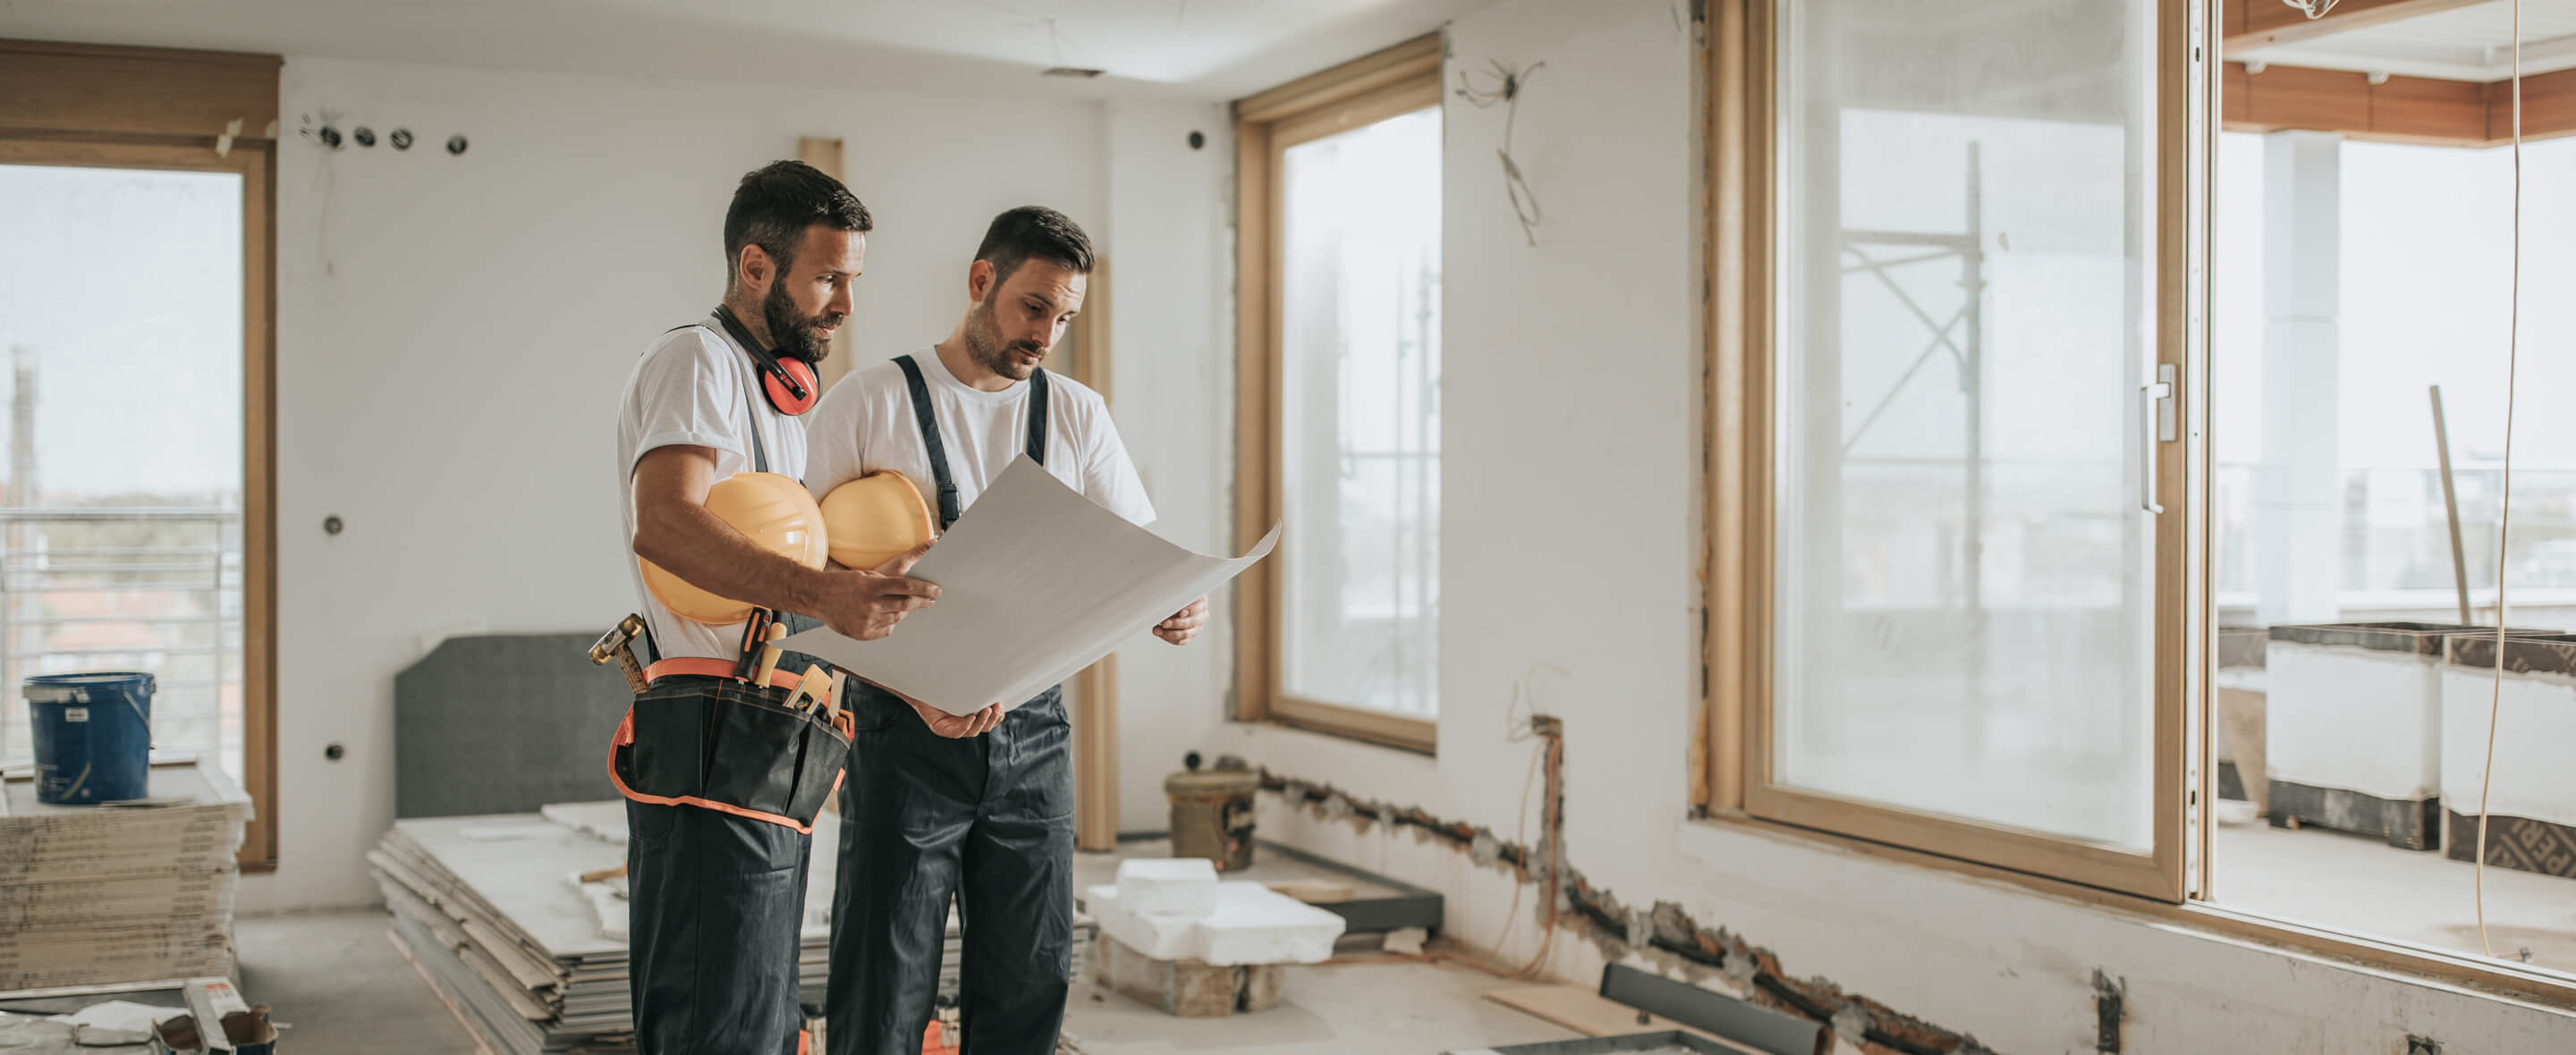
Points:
719	779
988	819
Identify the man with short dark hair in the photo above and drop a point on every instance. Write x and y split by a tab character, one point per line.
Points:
980	806
715	856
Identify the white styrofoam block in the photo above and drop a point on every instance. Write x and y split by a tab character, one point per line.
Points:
1255	924
2354	719
1251	924
1171	886
1161	937
2535	721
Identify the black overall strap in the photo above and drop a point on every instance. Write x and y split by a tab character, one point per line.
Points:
759	451
1037	416
928	418
929	422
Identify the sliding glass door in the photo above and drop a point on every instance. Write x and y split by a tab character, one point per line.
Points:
1977	445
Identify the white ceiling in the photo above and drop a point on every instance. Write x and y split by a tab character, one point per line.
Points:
2469	43
1207	49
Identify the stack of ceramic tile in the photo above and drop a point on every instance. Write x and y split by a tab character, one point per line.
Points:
492	910
98	895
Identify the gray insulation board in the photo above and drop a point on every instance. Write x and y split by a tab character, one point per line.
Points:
504	723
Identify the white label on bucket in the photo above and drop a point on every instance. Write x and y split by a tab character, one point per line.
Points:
75	714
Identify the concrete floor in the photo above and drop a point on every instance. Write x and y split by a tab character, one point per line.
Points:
343	987
2365	887
339	983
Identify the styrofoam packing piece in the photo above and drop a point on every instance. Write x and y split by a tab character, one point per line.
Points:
1255	924
1252	924
1170	886
1160	937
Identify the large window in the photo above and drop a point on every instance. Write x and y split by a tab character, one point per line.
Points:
2106	502
1340	372
135	317
2355	673
123	520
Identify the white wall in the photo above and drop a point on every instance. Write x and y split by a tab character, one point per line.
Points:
1578	362
1171	350
452	332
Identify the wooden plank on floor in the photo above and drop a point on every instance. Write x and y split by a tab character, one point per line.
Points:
1589	1013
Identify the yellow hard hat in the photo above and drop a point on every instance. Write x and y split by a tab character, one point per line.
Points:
775	512
874	519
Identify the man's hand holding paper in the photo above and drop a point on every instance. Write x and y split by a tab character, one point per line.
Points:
1035	583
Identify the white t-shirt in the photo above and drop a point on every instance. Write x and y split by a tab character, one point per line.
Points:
694	387
866	424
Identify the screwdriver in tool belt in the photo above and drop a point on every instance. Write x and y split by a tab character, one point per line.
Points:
755	640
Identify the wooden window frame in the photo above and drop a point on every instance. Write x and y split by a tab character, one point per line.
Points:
1095	688
147	108
1727	767
1398	80
1739	767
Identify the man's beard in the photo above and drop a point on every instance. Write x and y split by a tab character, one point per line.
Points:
796	335
984	345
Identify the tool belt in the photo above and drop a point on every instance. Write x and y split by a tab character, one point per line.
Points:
699	736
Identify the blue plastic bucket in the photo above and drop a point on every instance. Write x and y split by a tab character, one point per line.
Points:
93	736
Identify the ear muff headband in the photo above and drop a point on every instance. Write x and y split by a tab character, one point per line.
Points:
788	382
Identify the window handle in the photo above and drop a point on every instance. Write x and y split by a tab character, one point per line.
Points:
2158	418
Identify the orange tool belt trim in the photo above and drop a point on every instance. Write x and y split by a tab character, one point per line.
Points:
720	668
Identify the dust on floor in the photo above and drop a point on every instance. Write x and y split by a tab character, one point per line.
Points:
339	983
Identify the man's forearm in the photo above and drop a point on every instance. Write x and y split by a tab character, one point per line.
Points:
708	553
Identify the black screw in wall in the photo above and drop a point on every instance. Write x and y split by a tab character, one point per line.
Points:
331	525
330	137
401	139
456	144
333	752
366	137
1197	140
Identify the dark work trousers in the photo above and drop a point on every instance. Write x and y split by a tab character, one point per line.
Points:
715	902
988	819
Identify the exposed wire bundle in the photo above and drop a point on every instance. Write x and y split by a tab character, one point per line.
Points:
1508	83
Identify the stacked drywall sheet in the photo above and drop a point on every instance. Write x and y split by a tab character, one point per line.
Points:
493	911
99	895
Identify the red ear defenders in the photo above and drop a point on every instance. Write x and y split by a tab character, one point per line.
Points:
789	382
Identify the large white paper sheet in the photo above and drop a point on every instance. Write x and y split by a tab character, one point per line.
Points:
1035	582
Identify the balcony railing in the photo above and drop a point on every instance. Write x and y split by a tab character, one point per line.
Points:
150	589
